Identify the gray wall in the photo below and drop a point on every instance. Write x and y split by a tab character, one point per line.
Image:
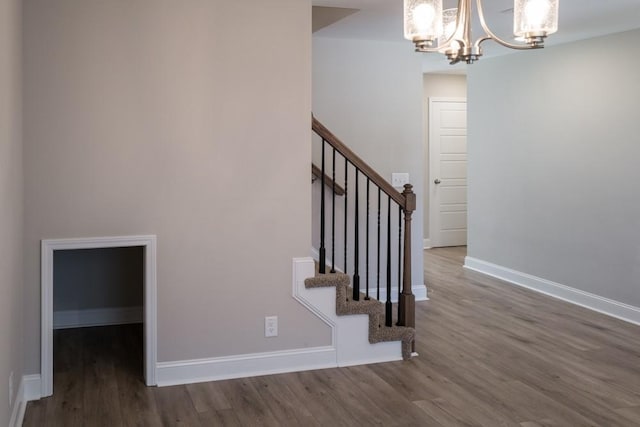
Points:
369	94
11	207
437	85
86	279
168	118
553	174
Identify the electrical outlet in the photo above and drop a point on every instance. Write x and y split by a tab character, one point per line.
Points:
271	326
399	179
10	389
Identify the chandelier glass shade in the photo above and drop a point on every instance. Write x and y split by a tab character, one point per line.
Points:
448	31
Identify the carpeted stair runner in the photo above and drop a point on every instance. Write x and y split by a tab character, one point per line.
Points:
345	305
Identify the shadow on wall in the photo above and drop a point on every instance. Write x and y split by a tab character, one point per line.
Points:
94	287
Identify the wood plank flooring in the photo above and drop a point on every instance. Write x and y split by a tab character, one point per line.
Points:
490	354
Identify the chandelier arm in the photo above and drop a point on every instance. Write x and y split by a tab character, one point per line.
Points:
447	44
491	36
439	48
428	49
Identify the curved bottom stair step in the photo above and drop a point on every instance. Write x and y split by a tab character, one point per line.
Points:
345	305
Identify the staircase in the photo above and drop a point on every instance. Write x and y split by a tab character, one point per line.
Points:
346	305
367	243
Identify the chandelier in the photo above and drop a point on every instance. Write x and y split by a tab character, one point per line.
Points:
448	31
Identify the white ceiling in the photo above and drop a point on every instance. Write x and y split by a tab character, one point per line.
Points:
578	19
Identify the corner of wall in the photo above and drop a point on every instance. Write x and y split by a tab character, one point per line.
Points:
28	390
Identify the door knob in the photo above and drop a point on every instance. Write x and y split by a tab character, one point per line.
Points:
437	181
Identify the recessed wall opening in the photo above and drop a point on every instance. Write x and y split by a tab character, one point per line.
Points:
97	314
98	296
97	287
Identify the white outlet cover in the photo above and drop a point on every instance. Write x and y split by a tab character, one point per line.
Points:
271	326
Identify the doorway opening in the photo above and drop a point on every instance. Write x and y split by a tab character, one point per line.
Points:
447	185
56	253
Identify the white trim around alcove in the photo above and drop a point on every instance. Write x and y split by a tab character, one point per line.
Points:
48	247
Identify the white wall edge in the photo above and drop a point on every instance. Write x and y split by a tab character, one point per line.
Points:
66	319
19	407
606	306
426	243
245	365
28	390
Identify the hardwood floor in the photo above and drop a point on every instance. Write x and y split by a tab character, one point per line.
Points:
490	354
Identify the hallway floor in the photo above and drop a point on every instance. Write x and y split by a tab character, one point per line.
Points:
490	354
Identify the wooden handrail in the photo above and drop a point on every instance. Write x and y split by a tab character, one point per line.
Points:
407	202
358	163
316	172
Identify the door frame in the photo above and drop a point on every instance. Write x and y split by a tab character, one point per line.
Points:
48	247
432	241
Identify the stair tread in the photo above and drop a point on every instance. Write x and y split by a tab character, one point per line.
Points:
391	333
346	305
328	279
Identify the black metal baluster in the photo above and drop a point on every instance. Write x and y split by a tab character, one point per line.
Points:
323	256
333	214
378	264
388	307
367	245
346	181
399	255
356	243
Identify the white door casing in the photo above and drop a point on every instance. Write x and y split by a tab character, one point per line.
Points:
448	171
150	300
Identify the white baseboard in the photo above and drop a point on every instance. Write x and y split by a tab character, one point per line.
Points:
426	244
245	365
28	390
612	308
97	317
32	387
19	407
256	364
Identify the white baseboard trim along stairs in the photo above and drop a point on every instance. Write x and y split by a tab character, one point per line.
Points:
356	339
350	342
359	333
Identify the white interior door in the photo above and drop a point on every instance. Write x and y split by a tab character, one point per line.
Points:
448	171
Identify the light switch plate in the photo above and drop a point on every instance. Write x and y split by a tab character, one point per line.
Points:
398	180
